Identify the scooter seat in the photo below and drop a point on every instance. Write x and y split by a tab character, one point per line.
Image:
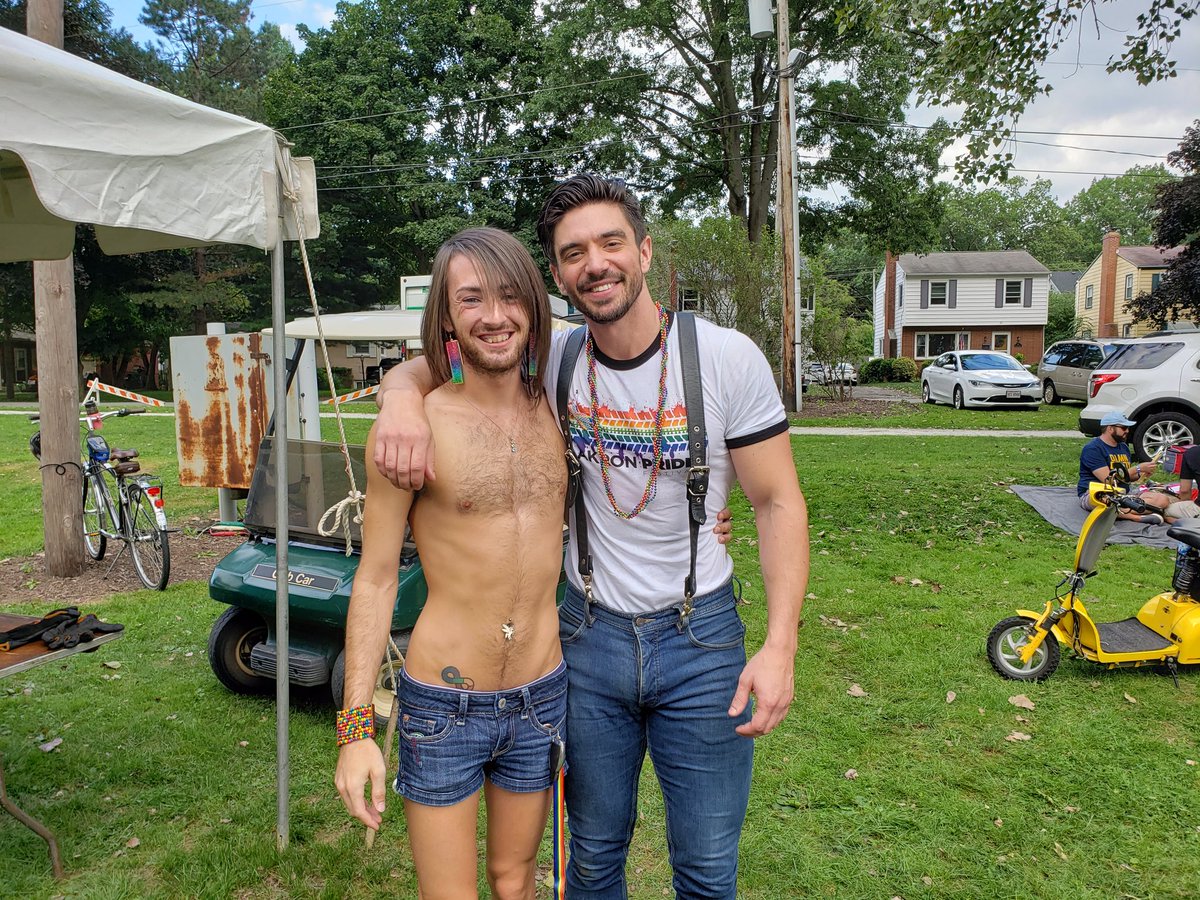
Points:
1186	531
1129	636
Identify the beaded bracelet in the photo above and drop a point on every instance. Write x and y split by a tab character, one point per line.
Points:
355	724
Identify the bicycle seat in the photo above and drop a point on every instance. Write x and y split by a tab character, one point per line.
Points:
121	455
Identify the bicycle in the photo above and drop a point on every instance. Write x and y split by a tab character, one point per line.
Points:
117	506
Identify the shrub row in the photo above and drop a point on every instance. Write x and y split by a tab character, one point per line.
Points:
877	370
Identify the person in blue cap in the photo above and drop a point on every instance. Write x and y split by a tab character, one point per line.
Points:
1101	453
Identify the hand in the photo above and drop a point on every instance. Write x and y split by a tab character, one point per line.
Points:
404	441
360	762
724	527
1145	467
770	677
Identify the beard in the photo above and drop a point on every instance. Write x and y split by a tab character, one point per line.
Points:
488	363
617	307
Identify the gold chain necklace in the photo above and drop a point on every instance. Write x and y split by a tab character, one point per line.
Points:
512	445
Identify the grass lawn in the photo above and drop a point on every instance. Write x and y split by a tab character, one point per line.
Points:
163	785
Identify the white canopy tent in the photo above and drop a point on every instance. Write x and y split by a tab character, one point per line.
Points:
152	171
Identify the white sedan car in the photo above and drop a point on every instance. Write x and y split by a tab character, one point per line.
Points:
979	378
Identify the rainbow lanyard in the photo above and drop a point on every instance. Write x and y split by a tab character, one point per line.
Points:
605	473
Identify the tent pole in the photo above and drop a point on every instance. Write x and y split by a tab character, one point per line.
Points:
280	457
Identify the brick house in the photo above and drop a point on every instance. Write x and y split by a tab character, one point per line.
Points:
1116	276
930	303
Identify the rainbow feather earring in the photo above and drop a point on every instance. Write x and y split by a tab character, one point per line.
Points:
531	365
454	354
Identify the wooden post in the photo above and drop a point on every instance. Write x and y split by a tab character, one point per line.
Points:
57	368
785	207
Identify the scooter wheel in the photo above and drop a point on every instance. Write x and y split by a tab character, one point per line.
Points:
1004	646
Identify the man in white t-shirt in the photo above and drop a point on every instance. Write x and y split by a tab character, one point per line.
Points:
648	670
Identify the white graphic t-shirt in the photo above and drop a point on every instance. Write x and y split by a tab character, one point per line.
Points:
639	565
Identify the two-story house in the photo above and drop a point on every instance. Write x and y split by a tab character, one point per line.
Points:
930	303
1116	276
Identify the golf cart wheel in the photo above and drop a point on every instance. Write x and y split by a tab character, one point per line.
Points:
234	635
386	680
1004	647
959	401
926	396
1049	394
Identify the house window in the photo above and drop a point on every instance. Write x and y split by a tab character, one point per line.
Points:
689	299
21	364
1155	279
1000	340
900	295
937	296
1129	287
1088	294
360	348
1012	293
1127	331
927	345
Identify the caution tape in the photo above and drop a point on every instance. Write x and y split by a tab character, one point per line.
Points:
355	395
95	385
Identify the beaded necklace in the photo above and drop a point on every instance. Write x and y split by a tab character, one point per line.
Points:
605	475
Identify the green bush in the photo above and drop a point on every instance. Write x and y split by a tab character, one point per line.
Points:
903	369
876	370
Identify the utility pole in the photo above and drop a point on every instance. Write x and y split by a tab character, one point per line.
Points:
57	364
785	204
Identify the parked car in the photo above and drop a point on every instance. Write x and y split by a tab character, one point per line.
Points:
843	373
1067	365
979	378
1155	381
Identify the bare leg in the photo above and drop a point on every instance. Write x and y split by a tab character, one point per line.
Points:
516	823
442	839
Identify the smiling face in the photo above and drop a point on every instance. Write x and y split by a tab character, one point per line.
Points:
490	322
599	263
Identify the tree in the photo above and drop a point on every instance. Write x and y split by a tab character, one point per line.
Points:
1178	206
88	32
1124	203
987	57
1017	215
1061	321
732	282
215	57
425	117
681	86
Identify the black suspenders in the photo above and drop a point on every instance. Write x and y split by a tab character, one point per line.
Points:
698	470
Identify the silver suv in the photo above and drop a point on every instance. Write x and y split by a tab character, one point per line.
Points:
1155	381
1067	365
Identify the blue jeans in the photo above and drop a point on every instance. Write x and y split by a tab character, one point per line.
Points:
662	683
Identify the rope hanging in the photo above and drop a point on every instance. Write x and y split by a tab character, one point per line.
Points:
355	497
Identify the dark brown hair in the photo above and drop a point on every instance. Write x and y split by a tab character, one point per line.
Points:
504	266
581	190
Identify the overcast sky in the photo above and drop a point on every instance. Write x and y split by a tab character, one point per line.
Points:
1085	101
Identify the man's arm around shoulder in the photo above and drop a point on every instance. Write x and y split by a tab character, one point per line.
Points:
403	442
367	625
767	474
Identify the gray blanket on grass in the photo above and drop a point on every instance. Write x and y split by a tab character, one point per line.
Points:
1060	507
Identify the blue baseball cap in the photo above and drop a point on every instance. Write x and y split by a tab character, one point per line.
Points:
1115	418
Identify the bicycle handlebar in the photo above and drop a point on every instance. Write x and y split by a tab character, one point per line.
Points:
120	413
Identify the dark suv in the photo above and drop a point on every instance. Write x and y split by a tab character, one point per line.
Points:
1067	365
1154	380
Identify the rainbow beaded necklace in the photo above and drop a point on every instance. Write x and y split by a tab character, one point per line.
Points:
605	474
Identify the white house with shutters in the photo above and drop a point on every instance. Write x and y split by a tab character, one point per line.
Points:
930	303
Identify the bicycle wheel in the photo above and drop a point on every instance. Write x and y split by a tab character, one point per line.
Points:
96	519
147	540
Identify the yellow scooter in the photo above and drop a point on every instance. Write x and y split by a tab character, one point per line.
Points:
1166	631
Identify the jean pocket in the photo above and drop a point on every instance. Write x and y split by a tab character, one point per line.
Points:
570	624
721	631
549	716
422	726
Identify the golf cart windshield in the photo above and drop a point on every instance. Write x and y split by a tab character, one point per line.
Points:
317	480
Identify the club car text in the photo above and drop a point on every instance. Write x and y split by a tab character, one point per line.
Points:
325	583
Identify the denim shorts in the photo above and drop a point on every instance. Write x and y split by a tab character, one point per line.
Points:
450	739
